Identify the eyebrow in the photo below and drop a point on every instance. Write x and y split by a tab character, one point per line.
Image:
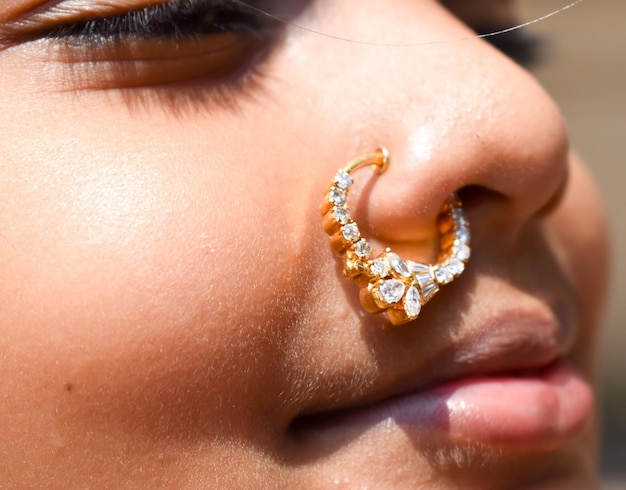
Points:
13	8
36	14
32	11
36	8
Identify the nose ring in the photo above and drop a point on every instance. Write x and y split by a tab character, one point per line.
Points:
387	282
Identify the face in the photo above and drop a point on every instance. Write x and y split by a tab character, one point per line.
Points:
173	314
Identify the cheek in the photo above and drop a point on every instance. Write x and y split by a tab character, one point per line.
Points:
83	226
145	285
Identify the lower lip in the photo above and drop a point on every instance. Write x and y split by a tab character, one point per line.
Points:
543	410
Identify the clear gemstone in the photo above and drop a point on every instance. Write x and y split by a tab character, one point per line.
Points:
443	275
412	303
462	234
461	251
398	264
391	291
379	268
457	213
423	279
418	267
351	232
456	266
363	249
421	273
342	215
429	290
459	216
343	180
337	196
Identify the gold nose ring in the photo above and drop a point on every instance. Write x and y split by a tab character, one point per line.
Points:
387	282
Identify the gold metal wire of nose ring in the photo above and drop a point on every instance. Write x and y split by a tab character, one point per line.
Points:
388	282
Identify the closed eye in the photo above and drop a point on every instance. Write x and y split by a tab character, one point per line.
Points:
208	46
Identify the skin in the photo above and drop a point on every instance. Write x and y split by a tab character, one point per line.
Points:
170	302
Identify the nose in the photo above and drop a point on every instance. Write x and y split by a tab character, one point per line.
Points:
454	115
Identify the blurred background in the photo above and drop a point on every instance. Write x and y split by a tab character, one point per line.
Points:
585	71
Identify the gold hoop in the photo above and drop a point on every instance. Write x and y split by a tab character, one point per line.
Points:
388	282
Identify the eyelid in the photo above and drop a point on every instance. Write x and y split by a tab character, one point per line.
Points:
216	46
143	50
123	67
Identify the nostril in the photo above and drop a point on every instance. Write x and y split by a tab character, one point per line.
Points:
475	197
491	213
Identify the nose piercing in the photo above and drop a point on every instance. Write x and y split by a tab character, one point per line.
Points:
387	282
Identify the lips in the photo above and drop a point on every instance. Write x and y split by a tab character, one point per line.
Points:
539	411
542	410
507	387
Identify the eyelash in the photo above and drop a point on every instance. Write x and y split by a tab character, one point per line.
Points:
179	55
180	20
172	20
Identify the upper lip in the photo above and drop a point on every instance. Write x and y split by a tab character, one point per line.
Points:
514	341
